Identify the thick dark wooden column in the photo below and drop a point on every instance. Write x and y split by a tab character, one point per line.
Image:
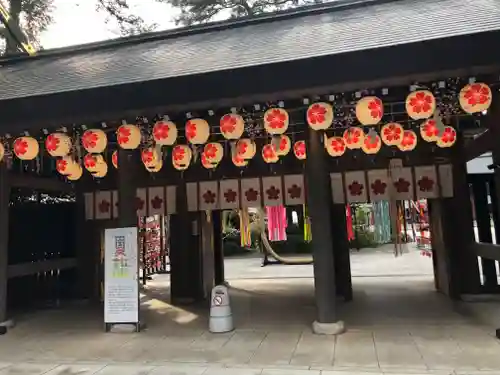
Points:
128	163
341	254
483	221
218	248
186	273
318	198
4	240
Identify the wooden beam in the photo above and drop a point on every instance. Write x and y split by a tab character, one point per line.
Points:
17	180
487	250
479	145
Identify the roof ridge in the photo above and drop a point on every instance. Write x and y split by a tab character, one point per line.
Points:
303	11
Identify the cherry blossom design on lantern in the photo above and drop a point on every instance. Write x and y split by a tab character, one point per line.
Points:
338	145
353	137
228	124
409	141
114	159
477	93
378	187
421	102
402	185
139	203
251	195
283	144
191	130
104	206
209	197
425	184
178	153
210	151
299	149
273	193
52	142
392	134
161	131
448	137
89	139
376	109
242	148
20	146
157	202
89	161
269	152
276	119
355	188
295	191
316	114
230	196
147	156
61	165
371	144
123	135
429	131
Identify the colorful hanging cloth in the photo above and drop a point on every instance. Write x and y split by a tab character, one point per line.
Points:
307	225
276	223
350	230
245	236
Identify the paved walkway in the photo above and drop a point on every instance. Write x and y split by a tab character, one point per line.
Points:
397	325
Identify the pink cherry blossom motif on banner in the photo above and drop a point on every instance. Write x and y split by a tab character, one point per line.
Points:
426	184
335	146
128	136
141	202
319	116
378	185
299	150
475	97
402	183
246	148
294	189
26	148
276	121
420	104
429	131
232	126
150	156
392	134
229	193
165	133
213	152
283	145
208	195
91	162
114	159
447	138
197	131
103	205
251	193
409	141
372	143
58	144
369	110
181	157
269	153
355	187
156	201
67	166
272	191
354	137
94	141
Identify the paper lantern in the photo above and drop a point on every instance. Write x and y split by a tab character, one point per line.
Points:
429	131
155	168
409	141
67	166
76	173
283	145
420	104
94	141
91	162
232	126
26	148
2	151
319	116
299	150
239	161
58	144
269	153
392	134
245	148
114	159
335	146
353	137
101	170
165	133
369	110
150	156
181	157
128	136
197	131
475	97
206	163
213	152
276	121
447	138
372	143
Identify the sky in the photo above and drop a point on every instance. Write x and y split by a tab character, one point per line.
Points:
78	22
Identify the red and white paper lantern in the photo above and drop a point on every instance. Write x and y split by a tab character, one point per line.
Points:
239	161
58	144
475	97
353	137
206	163
246	148
372	143
76	173
91	162
319	116
165	133
181	157
420	104
335	146
94	141
67	166
114	159
447	138
392	134
299	150
269	153
213	152
128	136
429	131
283	145
155	168
369	110
150	156
197	131
101	170
276	121
26	148
2	151
232	126
409	141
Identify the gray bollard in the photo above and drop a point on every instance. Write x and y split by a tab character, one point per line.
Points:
221	317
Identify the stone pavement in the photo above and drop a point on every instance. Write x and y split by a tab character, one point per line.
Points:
396	324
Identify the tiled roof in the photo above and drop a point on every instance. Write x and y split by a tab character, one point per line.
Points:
329	31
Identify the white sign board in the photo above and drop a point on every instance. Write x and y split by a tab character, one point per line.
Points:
121	271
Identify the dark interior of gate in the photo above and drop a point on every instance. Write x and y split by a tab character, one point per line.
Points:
258	122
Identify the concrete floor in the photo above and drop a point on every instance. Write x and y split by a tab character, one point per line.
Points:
396	324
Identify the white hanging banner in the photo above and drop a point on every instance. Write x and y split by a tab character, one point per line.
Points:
337	185
250	193
378	185
141	202
446	180
102	205
402	183
171	199
426	184
355	187
272	191
294	189
156	200
89	206
209	195
192	196
121	271
229	194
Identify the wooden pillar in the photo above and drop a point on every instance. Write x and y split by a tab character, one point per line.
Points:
483	221
128	162
341	254
4	240
218	248
318	196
